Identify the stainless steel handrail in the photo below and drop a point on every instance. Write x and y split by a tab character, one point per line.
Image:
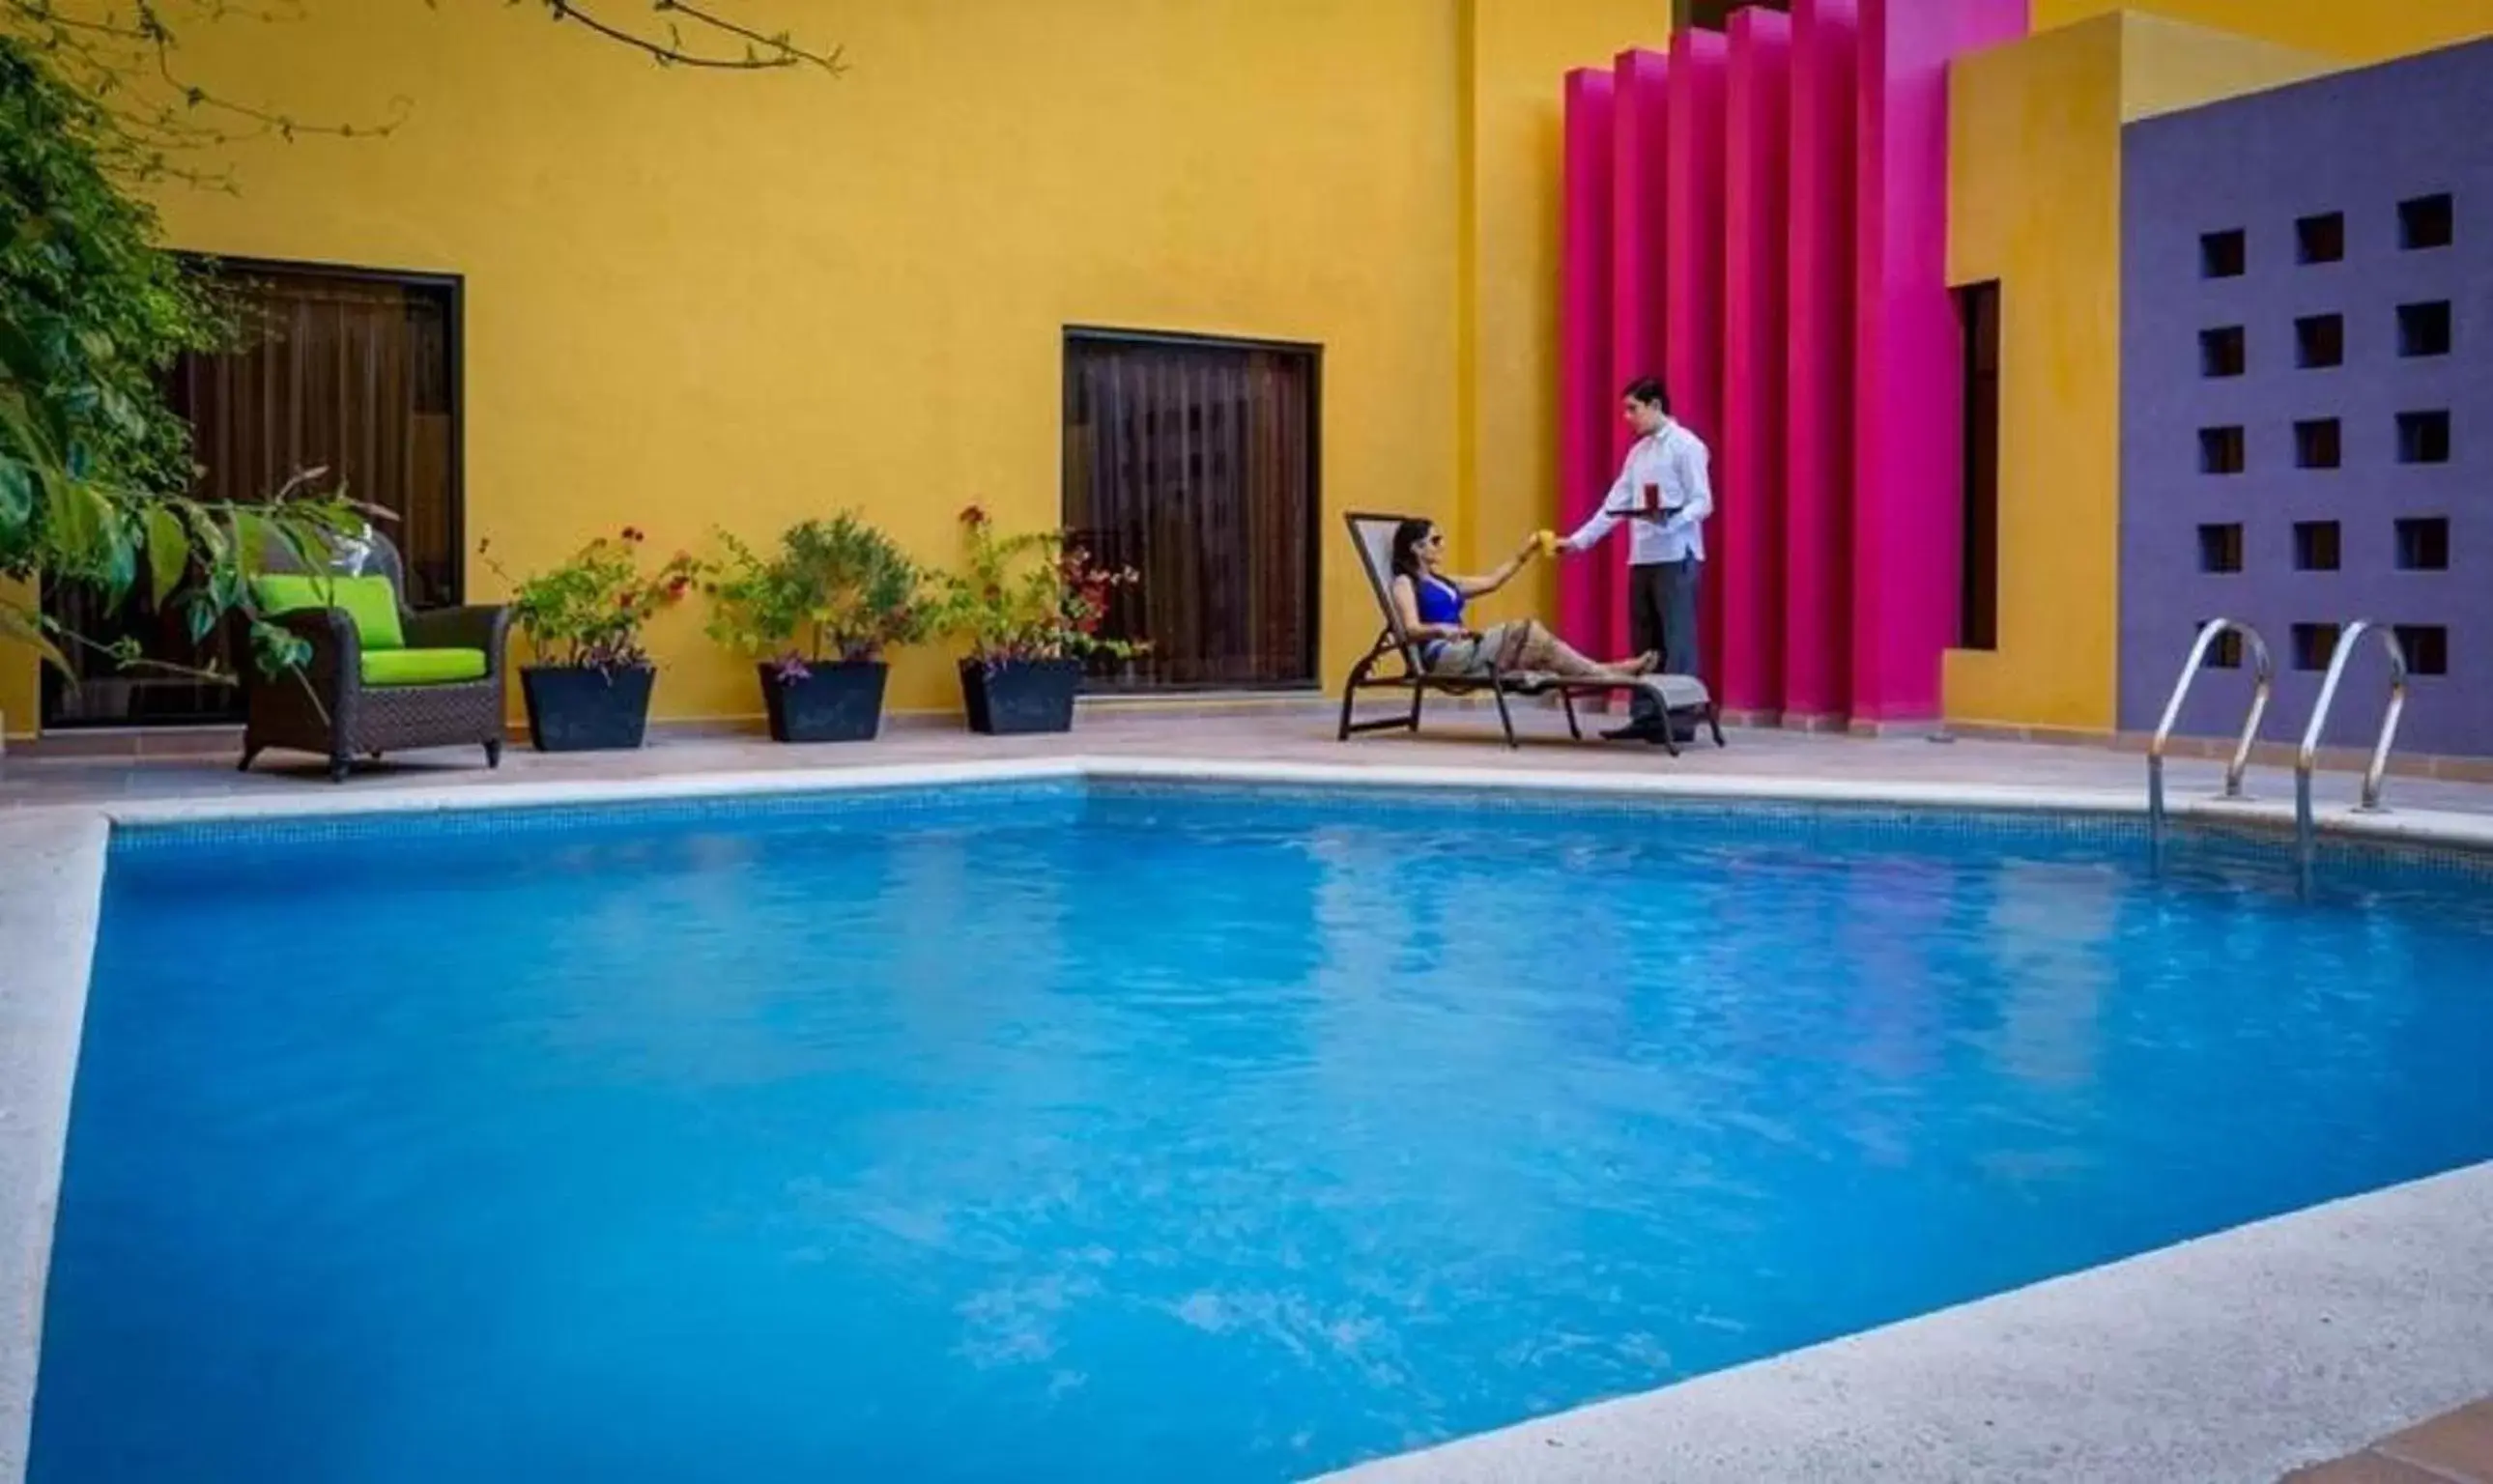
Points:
2262	681
2306	833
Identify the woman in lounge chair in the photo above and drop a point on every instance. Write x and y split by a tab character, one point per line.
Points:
1430	602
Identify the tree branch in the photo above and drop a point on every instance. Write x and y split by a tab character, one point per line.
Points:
146	112
285	126
763	52
778	43
150	114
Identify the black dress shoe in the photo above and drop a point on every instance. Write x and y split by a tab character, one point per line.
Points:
1635	732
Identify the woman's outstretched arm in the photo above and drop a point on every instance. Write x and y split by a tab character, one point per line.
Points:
1474	587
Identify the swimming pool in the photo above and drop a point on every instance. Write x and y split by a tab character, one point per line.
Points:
1137	1132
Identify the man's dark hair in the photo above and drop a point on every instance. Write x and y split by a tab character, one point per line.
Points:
1650	391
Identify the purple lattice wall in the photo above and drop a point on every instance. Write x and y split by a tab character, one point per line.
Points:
2334	187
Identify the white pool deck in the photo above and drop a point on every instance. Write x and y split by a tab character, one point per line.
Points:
2234	1358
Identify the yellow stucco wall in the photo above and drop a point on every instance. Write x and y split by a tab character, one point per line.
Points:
1520	50
2349	30
2169	65
2048	110
696	298
745	300
20	697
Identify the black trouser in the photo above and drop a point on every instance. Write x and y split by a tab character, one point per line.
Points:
1662	617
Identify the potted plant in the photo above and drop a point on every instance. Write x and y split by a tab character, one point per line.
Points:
1031	608
816	616
588	687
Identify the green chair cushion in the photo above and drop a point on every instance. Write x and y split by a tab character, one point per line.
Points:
370	601
422	667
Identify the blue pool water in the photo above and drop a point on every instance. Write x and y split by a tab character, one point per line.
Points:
1132	1135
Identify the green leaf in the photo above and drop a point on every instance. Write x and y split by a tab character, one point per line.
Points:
306	534
29	431
120	411
76	519
279	651
16	494
24	627
210	536
120	562
169	553
253	535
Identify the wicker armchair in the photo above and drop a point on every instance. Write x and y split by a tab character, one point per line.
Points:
329	708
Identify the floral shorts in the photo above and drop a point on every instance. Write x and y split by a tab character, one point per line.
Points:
1458	657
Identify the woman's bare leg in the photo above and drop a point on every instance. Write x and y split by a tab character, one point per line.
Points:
1536	648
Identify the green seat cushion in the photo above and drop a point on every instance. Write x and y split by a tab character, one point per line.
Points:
422	667
370	601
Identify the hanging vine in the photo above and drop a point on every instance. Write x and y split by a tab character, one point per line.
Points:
163	120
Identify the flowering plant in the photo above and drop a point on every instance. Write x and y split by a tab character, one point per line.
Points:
835	589
588	612
1029	596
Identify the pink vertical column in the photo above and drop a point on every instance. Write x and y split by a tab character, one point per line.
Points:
1585	415
1818	414
1701	65
1639	313
1907	396
1748	567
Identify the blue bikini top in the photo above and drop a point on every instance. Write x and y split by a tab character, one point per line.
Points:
1439	600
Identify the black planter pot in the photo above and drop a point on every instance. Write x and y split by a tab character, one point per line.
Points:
1020	695
582	710
840	703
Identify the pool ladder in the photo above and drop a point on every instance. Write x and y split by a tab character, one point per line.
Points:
2307	757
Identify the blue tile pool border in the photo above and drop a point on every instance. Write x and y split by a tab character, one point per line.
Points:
862	805
1732	813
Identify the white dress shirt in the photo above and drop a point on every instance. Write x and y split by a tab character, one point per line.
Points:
1673	462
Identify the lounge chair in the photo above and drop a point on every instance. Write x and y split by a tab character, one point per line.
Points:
1373	536
380	677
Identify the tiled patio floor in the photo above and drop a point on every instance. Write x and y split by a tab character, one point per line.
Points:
2454	1448
1289	733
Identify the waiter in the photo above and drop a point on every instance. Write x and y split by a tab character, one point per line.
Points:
1663	495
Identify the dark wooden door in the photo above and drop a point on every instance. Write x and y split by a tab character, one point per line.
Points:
1194	462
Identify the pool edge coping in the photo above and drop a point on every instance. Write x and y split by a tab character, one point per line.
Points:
38	991
52	899
2436	827
2238	1356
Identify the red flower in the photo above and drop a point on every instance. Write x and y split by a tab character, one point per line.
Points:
634	533
974	516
